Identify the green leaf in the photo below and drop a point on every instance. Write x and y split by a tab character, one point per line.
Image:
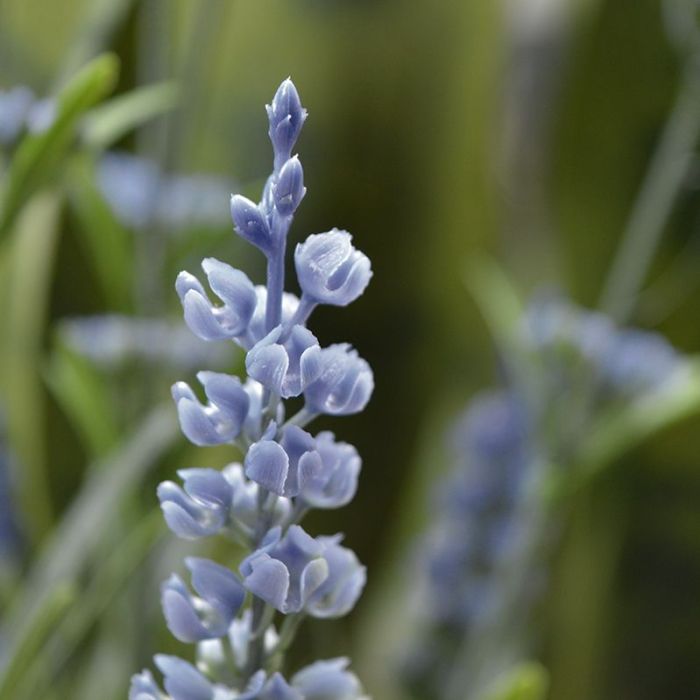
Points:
527	681
26	647
38	155
113	572
112	120
107	243
28	271
76	538
497	299
620	429
81	391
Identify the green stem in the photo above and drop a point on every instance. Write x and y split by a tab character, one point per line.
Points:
663	181
287	633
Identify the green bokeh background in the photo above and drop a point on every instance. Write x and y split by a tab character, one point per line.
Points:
438	130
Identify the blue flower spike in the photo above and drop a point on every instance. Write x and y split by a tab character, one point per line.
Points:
283	472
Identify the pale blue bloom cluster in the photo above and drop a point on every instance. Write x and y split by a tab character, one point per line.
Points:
285	470
475	523
624	363
21	111
140	194
581	364
111	341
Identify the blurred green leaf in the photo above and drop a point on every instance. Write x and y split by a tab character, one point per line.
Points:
106	242
112	120
26	647
38	154
81	391
619	430
75	539
110	576
100	20
528	681
497	299
28	273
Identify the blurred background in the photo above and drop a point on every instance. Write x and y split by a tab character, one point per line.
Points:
438	131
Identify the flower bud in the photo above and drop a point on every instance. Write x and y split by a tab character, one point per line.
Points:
326	679
199	509
232	286
332	482
337	595
250	223
286	116
267	464
330	269
193	619
285	571
182	680
144	687
289	189
344	384
221	419
285	368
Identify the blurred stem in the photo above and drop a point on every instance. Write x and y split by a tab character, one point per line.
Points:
663	181
494	646
102	19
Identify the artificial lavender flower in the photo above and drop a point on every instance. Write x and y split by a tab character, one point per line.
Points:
333	480
234	289
201	508
330	270
193	619
285	470
286	366
251	223
344	383
285	571
286	117
222	418
328	679
339	592
289	189
323	680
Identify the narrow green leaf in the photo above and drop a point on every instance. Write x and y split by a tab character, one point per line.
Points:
73	542
620	429
48	612
497	299
107	243
113	571
100	20
29	267
38	155
112	120
81	391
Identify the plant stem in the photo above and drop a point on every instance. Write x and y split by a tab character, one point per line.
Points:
663	181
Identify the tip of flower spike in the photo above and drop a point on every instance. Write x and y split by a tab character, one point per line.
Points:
286	116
